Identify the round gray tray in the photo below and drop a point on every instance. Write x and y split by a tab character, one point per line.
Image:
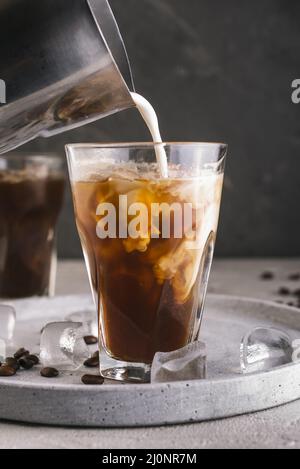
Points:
226	392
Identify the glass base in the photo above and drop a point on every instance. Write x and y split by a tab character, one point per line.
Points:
124	371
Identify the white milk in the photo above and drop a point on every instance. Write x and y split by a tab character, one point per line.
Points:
150	118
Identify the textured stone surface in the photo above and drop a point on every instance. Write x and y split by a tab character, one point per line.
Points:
277	428
217	71
225	392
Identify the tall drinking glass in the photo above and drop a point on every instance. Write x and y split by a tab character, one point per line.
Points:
31	197
148	244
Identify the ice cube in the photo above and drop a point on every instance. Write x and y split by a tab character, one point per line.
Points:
188	363
62	346
89	321
7	322
265	348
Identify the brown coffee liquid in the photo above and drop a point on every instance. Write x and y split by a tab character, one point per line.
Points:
29	208
148	289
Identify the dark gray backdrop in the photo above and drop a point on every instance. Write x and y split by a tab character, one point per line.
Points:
220	71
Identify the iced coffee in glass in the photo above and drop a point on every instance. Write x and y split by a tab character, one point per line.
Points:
148	243
31	198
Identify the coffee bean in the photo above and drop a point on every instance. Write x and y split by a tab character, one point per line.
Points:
284	291
92	362
291	304
34	359
92	380
90	340
294	277
96	355
26	363
267	276
49	373
297	292
7	371
12	363
22	352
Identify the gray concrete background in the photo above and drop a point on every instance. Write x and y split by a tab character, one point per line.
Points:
219	71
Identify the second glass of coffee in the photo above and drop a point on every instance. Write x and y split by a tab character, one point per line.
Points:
148	243
31	197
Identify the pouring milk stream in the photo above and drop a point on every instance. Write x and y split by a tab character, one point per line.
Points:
149	115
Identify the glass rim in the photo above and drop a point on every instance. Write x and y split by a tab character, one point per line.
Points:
145	144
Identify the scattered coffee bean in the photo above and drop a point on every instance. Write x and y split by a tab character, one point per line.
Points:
291	304
92	362
12	363
22	352
7	371
294	277
267	276
90	340
92	380
26	363
284	291
49	373
34	359
297	292
96	355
